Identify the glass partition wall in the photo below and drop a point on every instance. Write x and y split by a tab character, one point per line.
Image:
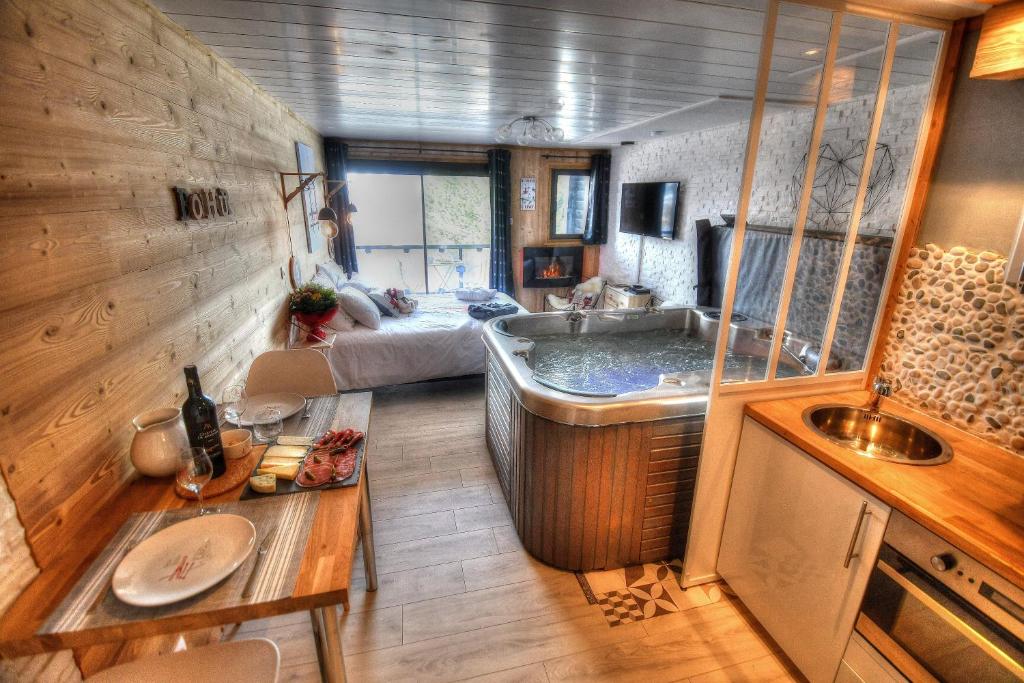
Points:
831	156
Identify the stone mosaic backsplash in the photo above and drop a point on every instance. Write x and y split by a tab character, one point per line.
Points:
957	343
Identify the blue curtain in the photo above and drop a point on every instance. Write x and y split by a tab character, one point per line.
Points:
596	229
336	161
498	166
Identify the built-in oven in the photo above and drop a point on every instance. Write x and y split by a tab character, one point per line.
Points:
937	614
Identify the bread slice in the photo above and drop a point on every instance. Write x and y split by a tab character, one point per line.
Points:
263	483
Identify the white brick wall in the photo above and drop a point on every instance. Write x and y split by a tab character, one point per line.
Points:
709	164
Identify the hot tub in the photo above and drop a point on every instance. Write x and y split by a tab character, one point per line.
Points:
595	421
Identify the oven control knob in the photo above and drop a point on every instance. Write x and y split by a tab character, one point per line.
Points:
943	562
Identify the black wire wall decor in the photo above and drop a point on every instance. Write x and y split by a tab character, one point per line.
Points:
836	177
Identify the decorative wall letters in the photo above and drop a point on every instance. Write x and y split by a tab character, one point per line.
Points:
201	203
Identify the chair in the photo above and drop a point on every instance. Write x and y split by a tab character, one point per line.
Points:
584	296
296	371
239	661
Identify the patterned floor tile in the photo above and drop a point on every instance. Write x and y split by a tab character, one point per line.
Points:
619	608
653	588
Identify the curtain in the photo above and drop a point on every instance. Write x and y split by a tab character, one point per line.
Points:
596	229
498	166
336	161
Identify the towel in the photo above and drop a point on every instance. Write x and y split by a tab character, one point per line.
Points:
488	311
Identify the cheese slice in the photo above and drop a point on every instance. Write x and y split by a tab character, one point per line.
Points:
280	471
280	461
263	483
295	440
293	452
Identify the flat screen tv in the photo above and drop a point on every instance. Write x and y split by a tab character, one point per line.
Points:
649	209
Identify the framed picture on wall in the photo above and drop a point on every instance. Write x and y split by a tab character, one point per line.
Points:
528	194
311	201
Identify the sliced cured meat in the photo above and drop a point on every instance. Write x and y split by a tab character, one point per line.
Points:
345	464
314	474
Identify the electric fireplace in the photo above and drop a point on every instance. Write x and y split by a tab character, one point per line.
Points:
551	266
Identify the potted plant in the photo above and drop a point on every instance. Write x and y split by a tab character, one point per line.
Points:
313	306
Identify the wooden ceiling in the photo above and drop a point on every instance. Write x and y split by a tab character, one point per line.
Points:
455	70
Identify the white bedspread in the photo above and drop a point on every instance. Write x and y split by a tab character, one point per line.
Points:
438	340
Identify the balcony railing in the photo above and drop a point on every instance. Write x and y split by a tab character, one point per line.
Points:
444	268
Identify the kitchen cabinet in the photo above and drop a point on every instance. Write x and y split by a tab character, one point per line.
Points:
798	547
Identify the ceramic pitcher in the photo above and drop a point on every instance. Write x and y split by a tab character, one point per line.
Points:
159	438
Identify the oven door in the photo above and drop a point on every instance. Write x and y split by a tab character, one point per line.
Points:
928	632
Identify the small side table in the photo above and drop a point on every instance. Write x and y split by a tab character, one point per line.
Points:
616	296
322	346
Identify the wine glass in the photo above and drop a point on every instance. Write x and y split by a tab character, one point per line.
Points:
267	424
233	400
194	472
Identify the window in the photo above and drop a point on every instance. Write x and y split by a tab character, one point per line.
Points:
570	192
422	227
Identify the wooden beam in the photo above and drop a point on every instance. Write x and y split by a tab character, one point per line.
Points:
1000	54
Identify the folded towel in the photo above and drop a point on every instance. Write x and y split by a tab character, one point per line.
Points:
488	311
475	294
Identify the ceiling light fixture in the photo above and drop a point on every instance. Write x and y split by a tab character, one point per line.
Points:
811	53
534	129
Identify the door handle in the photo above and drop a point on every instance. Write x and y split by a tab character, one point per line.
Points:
864	512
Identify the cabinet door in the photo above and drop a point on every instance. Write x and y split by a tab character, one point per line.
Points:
789	528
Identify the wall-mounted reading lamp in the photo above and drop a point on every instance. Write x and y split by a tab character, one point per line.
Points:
327	217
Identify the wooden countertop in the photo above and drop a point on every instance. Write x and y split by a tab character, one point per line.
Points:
975	501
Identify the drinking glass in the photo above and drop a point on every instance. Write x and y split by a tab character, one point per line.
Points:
233	400
267	424
194	472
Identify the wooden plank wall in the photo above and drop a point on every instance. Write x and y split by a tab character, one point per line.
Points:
529	228
104	296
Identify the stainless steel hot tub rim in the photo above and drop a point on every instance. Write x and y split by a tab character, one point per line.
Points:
677	395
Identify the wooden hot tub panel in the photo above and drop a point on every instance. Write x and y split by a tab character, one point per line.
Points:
586	498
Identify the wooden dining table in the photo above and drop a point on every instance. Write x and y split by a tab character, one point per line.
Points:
342	516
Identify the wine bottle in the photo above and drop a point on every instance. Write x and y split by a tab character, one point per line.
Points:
201	424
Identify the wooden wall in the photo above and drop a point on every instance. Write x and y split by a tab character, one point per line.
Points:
104	296
529	228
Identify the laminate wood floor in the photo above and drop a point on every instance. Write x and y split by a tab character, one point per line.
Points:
459	599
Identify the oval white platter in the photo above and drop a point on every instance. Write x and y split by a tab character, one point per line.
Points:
288	404
183	560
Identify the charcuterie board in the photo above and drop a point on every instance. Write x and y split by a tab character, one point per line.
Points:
319	422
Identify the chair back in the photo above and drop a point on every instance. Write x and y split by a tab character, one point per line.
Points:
296	371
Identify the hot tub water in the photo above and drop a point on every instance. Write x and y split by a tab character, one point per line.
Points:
608	364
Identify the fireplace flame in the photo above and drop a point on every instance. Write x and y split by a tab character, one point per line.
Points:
554	270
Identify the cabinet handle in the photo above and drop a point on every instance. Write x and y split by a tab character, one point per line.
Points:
864	512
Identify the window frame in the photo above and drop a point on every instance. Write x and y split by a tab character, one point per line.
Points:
420	169
556	173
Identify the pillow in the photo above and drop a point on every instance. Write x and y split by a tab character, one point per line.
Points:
361	286
341	322
384	303
475	294
333	272
323	279
359	306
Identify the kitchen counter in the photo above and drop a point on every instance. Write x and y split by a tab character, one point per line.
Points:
975	501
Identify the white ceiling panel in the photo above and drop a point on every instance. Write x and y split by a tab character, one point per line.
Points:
455	70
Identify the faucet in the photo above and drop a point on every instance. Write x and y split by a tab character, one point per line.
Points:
880	388
574	316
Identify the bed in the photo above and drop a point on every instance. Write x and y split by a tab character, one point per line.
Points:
438	340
